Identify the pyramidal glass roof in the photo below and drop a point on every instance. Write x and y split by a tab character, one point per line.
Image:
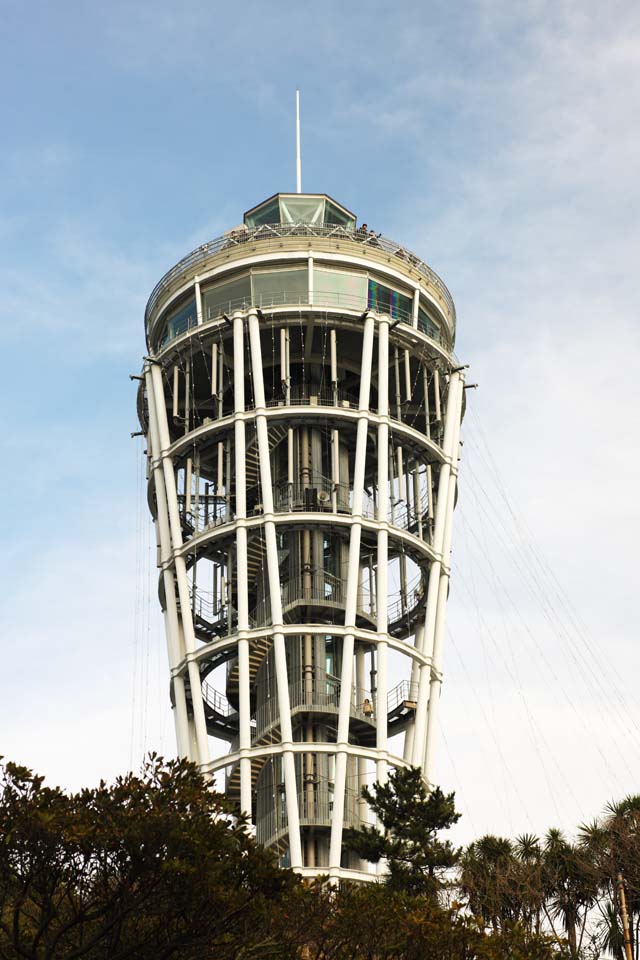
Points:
300	208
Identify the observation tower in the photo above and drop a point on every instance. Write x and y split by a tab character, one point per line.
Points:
302	407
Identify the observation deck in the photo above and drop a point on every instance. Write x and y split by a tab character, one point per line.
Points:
256	239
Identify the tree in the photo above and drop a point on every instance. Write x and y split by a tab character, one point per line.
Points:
150	866
572	886
373	922
411	818
531	880
612	845
488	879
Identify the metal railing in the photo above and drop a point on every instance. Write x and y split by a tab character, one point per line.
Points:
318	494
315	806
320	298
216	616
217	701
275	231
312	396
293	298
407	603
404	692
316	589
204	511
316	694
320	694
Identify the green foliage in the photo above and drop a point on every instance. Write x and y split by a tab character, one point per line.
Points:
151	866
411	818
372	922
158	866
611	845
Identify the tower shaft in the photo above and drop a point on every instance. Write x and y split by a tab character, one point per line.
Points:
302	408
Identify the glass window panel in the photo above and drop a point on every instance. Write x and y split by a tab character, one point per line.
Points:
302	209
337	288
385	300
280	286
333	214
180	320
427	325
224	297
267	213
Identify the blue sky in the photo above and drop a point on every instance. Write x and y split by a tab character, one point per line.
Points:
496	139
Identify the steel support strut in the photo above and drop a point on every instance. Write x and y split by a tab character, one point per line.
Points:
452	422
244	679
435	685
174	651
186	619
275	596
353	570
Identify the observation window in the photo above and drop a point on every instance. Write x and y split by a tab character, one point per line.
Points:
383	299
225	297
180	320
280	286
269	212
302	209
337	288
313	208
427	325
334	214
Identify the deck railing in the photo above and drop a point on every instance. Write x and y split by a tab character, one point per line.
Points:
277	231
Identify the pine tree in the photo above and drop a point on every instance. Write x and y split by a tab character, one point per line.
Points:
411	817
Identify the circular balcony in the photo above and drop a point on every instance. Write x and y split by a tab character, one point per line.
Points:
320	696
315	806
316	597
276	235
317	494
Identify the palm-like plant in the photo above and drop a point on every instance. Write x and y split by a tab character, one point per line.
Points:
613	843
488	878
531	880
609	930
572	886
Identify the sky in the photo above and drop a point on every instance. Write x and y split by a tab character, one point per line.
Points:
498	140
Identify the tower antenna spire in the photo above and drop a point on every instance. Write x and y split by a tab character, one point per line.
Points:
298	160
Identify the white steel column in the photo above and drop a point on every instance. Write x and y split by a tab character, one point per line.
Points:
443	590
415	675
310	278
346	679
198	293
453	413
242	577
279	648
336	498
382	592
174	653
186	618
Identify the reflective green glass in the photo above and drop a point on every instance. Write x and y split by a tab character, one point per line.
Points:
224	297
427	325
340	289
383	299
179	320
333	214
301	209
269	212
280	286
